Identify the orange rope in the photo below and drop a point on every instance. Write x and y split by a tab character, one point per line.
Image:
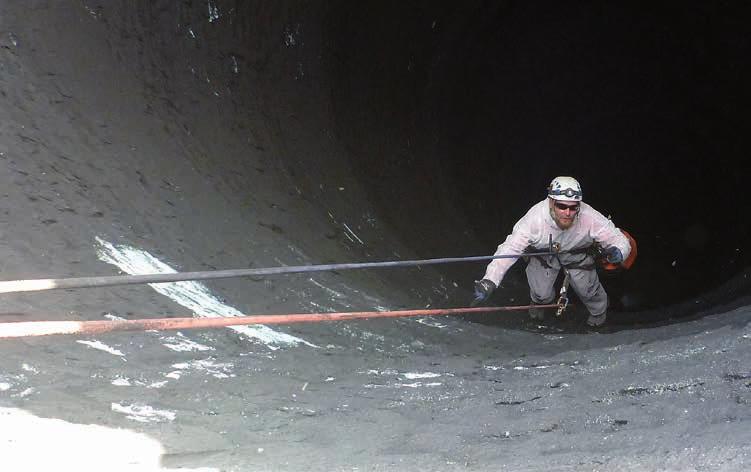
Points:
43	328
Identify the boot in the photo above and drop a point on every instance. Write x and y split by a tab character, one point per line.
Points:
537	313
596	320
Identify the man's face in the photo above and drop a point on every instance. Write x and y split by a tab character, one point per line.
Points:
564	213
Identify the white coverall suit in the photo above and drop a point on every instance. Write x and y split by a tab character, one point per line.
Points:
533	231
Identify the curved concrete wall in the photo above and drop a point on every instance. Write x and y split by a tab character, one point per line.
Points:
385	131
335	115
459	116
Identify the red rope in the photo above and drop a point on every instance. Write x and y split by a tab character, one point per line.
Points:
43	328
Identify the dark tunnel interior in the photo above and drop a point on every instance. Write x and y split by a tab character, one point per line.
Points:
454	119
477	107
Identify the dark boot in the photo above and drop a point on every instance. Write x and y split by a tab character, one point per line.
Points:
537	313
596	320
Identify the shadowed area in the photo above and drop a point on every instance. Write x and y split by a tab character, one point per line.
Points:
482	105
162	136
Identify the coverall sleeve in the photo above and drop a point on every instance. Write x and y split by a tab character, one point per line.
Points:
516	242
605	233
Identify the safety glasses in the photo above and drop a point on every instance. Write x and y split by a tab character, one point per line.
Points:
561	206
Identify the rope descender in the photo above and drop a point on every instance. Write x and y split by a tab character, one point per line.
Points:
562	302
563	298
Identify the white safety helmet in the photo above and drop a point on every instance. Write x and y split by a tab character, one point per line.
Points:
565	189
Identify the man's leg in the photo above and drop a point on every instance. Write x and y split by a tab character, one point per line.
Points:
541	280
587	286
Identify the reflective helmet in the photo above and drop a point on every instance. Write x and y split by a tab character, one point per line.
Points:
565	189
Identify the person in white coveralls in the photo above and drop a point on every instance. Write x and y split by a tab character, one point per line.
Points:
574	227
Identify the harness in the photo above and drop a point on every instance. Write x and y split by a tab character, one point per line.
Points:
555	248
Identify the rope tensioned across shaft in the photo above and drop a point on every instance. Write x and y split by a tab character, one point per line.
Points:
33	285
43	328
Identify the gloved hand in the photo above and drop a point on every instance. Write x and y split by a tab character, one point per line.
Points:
483	289
613	255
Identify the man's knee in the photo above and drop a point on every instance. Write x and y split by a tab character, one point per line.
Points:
587	286
591	290
598	303
540	280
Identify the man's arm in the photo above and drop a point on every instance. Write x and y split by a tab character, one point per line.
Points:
520	238
612	240
515	244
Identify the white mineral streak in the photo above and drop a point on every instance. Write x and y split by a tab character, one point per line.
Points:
192	295
424	375
143	413
102	347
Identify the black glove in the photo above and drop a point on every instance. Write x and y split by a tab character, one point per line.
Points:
483	289
613	255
